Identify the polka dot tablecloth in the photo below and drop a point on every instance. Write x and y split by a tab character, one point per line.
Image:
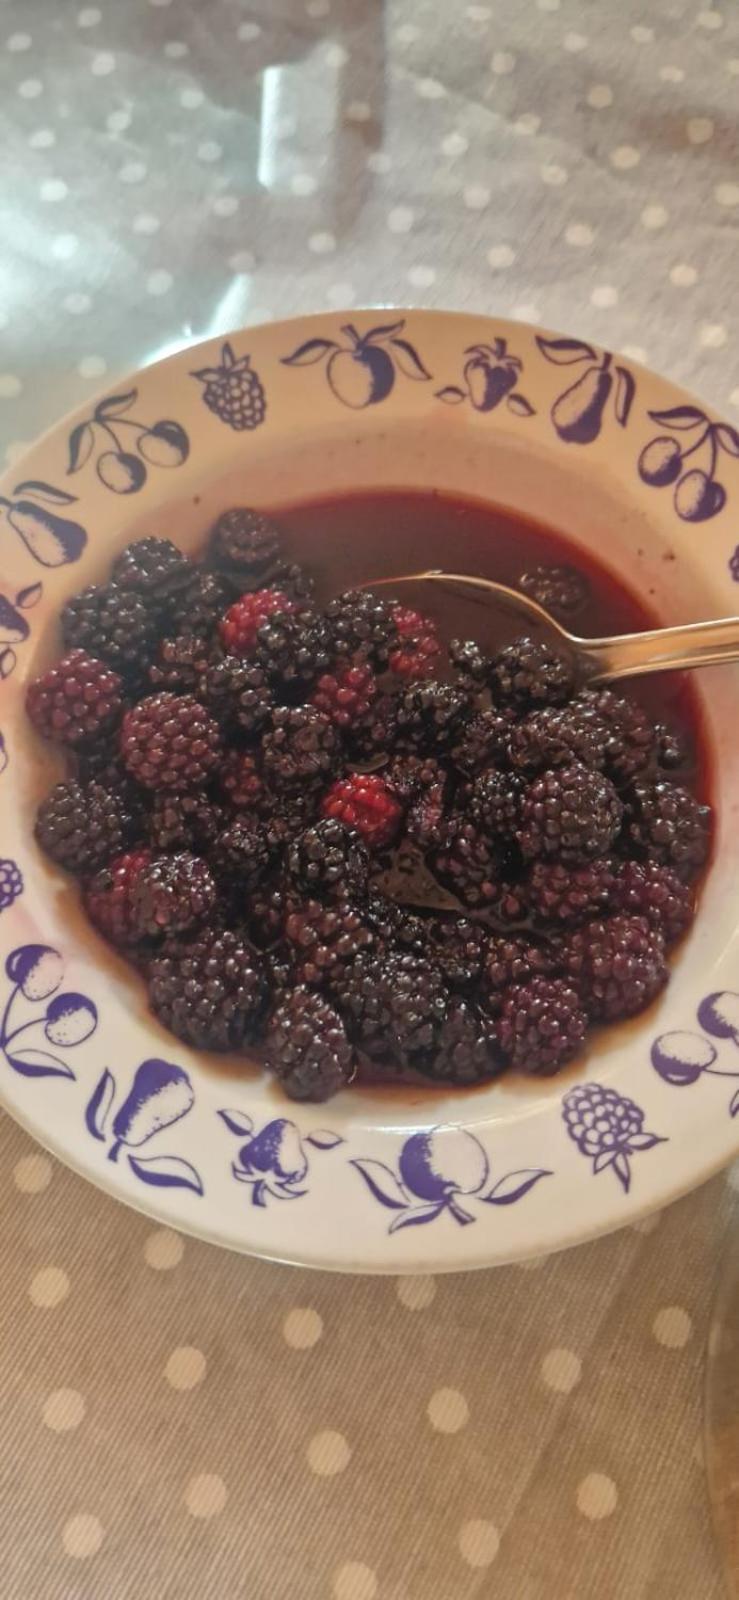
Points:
178	1422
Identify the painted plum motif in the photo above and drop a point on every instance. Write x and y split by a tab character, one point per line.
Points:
489	376
682	1057
579	412
697	495
273	1160
361	369
437	1171
160	1095
123	448
38	1012
32	511
607	1128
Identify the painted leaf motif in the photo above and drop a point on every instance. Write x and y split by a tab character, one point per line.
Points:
734	1104
386	330
99	1104
604	1158
519	405
14	627
45	491
4	757
565	352
645	1141
515	1185
415	1217
451	395
623	1171
625	391
115	404
727	438
237	1121
323	1139
30	596
8	662
408	360
32	1063
166	1172
81	446
681	418
240	1173
307	354
383	1184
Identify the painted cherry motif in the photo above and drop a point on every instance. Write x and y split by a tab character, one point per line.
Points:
122	465
578	413
682	1057
273	1161
698	495
53	540
161	1094
435	1169
490	375
36	972
362	370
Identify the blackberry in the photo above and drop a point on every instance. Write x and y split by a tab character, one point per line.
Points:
673	749
244	544
188	821
394	1007
572	813
329	858
618	966
287	815
646	889
76	701
527	674
239	627
361	625
108	896
293	649
169	741
302	747
542	1025
468	1048
466	863
512	960
366	803
417	647
410	776
373	735
557	735
511	904
210	991
631	743
482	741
566	895
426	820
237	694
80	827
346	694
561	590
665	823
472	664
307	1047
279	969
265	911
153	568
493	803
326	939
198	606
241	856
240	781
170	895
114	625
457	947
397	925
430	715
180	663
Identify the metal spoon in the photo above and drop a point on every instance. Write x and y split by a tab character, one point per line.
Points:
696	644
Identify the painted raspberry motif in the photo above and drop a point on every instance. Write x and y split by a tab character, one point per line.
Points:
11	883
233	391
607	1128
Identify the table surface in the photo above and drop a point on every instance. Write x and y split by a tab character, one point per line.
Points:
179	1422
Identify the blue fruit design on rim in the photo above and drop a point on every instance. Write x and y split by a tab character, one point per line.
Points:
273	1160
608	1128
439	1172
489	376
32	512
123	447
4	757
361	368
14	628
66	1019
682	1057
698	495
11	883
161	1095
233	391
578	413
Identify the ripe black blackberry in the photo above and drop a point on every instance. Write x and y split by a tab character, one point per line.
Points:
561	590
466	863
329	859
673	749
430	715
347	694
171	895
240	781
244	544
373	736
153	568
512	959
647	889
198	606
241	856
665	823
280	970
493	803
302	747
307	1047
397	925
293	648
527	674
188	821
542	1025
631	743
180	664
81	826
570	813
427	816
77	701
468	1048
566	895
471	663
482	741
361	625
618	966
116	625
325	939
237	694
107	896
411	775
265	910
210	991
394	1007
169	741
457	947
557	735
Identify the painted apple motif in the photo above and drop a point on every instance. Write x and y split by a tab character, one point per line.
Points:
361	368
443	1162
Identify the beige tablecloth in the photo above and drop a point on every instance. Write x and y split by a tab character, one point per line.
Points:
180	1423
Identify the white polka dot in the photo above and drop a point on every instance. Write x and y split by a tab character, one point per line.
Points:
500	255
191	99
447	1411
574	42
32	1174
526	311
17	42
654	216
727	194
89	17
416	1293
321	244
42	139
53	190
118	121
478	13
597	1496
317	8
82	1536
713	336
635	352
670	74
303	183
599	96
624	157
642	35
502	63
10	385
159	282
479	1542
407	33
225	205
604	295
379	161
421	277
554	176
328	1453
102	64
132	172
248	31
205	1496
49	1286
185	1367
672	1327
645	1225
683	275
30	88
341	294
430	89
146	223
354	1581
336	56
63	1410
455	144
527	124
302	1328
734	401
77	304
92	367
561	1370
242	261
732	66
64	246
579	234
476	197
209	151
358	111
710	19
699	130
164	1250
176	49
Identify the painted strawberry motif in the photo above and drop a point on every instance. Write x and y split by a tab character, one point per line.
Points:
490	375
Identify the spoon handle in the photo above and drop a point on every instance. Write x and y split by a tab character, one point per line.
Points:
697	644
